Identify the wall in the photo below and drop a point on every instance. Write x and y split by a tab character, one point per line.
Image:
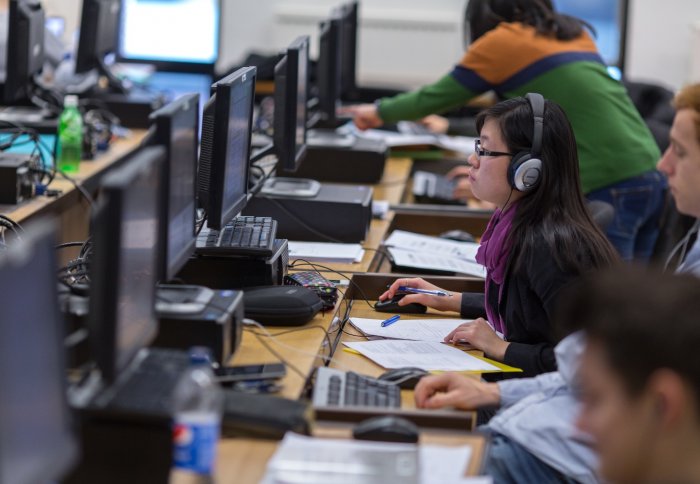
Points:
658	47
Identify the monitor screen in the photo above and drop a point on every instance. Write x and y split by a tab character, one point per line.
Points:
99	24
37	444
329	62
291	87
187	31
348	80
175	127
123	270
25	49
225	151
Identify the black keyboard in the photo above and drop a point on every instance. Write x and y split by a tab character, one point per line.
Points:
147	384
335	388
432	188
242	236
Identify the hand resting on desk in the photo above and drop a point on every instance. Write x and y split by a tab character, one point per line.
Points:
457	391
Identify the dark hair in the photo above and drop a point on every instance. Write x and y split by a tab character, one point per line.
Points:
554	213
645	320
482	16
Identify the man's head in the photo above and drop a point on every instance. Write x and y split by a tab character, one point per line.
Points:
681	161
640	372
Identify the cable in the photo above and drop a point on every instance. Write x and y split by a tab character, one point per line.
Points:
69	244
80	188
682	245
294	265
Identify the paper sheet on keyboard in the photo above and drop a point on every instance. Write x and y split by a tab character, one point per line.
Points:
435	262
428	355
436	245
411	329
314	460
326	251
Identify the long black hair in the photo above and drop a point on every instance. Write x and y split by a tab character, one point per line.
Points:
482	16
555	211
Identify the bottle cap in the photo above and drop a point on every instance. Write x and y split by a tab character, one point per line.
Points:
70	101
200	355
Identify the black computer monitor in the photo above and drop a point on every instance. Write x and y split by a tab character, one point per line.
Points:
328	69
25	49
225	147
348	42
291	88
123	269
99	25
175	127
37	442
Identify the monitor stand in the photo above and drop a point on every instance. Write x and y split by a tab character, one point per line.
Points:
290	187
177	299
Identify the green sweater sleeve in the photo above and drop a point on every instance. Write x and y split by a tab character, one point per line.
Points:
433	98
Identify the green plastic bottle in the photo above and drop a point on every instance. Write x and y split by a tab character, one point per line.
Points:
70	136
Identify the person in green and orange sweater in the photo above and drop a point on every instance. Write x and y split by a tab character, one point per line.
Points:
521	46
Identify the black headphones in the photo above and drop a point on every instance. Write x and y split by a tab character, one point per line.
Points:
525	168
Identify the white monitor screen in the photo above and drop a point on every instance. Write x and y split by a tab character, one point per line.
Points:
185	30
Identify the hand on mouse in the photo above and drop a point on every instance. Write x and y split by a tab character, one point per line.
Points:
481	336
454	390
441	303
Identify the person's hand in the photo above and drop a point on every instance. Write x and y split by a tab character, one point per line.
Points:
463	187
436	124
365	116
453	390
452	302
481	336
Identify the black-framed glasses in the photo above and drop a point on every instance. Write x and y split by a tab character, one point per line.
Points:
479	151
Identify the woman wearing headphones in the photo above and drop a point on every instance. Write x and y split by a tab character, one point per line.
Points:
539	239
520	46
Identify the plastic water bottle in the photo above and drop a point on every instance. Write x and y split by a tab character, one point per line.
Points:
198	403
70	136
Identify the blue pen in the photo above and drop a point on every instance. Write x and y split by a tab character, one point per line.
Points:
390	321
415	290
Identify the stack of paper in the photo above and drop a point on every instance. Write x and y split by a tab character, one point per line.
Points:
419	251
326	252
433	330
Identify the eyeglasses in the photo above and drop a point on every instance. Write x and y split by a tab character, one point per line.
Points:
479	151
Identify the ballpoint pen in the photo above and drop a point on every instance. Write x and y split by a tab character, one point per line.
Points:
390	321
416	290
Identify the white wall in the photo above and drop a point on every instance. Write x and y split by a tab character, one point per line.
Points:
658	46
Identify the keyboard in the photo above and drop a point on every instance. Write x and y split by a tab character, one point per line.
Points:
430	187
242	236
146	386
336	388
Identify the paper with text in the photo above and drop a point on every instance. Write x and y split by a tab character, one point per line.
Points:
435	262
436	245
326	251
411	329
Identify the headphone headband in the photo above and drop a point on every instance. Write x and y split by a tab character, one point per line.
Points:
537	105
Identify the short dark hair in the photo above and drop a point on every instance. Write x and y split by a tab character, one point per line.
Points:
484	15
645	320
554	213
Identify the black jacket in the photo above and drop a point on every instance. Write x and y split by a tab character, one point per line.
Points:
529	298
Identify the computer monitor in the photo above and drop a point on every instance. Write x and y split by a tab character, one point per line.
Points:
99	23
348	42
175	127
123	269
25	49
225	147
291	88
185	39
37	442
328	69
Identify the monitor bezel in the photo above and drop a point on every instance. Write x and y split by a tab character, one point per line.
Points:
23	26
91	53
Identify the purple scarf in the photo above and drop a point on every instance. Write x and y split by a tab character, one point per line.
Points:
493	254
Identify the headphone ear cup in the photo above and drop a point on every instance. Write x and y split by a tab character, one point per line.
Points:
524	172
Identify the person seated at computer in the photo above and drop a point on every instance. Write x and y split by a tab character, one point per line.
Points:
539	239
624	405
520	46
681	164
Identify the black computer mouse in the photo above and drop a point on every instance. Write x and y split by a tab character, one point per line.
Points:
458	235
406	378
387	429
391	305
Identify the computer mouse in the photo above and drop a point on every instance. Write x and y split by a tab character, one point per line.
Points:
391	305
406	378
387	429
458	235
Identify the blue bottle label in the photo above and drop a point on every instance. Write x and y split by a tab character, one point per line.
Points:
195	444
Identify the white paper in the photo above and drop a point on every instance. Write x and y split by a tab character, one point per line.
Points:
314	460
435	245
326	251
435	262
428	355
412	329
